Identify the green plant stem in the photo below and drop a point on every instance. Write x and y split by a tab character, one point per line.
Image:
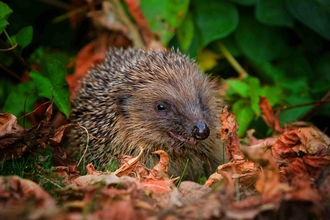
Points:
18	58
11	43
233	62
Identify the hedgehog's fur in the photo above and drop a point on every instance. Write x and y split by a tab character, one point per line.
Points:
117	104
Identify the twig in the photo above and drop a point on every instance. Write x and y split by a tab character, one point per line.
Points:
58	4
301	105
10	72
121	15
87	143
74	11
18	58
317	107
233	62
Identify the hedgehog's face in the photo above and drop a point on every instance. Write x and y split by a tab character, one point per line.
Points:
177	115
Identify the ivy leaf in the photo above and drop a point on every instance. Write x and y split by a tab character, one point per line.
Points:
5	11
54	85
186	33
244	115
314	14
258	42
273	12
24	36
255	92
215	20
56	75
24	96
42	83
241	88
3	24
272	93
164	16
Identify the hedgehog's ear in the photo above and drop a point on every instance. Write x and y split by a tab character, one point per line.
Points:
121	101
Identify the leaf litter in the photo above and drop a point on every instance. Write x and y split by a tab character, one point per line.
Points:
263	180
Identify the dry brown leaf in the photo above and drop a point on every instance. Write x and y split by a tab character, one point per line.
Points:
270	141
301	141
245	172
86	180
160	171
158	186
8	124
14	141
142	23
57	137
91	170
91	54
268	115
128	167
192	192
228	134
24	199
302	151
268	183
303	190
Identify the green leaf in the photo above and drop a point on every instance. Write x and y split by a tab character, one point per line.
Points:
5	11
244	115
273	12
186	33
215	20
269	71
24	36
296	86
56	75
164	16
322	67
54	86
255	92
42	83
295	64
314	14
24	94
245	2
273	93
241	88
258	42
3	25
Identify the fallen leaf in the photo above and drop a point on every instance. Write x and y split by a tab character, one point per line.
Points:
158	186
301	151
160	171
268	184
128	167
228	134
268	115
24	199
244	171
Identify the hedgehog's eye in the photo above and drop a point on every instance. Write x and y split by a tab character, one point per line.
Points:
161	107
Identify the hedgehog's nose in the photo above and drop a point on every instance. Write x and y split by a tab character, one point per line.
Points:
201	131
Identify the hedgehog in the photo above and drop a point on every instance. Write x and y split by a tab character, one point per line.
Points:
157	100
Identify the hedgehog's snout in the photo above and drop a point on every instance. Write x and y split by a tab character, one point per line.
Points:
201	131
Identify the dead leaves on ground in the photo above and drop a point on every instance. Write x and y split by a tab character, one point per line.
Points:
264	180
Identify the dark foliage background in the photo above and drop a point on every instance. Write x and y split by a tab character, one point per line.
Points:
275	48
